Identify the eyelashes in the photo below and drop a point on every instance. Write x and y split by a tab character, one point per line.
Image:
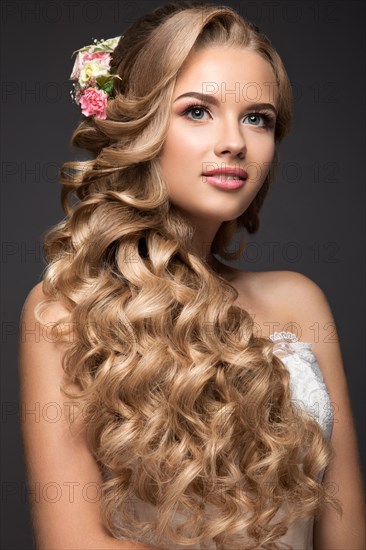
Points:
267	116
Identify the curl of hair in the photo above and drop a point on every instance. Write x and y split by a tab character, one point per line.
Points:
168	369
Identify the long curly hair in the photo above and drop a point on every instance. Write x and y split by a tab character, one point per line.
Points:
185	407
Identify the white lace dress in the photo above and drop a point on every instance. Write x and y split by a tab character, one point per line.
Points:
309	391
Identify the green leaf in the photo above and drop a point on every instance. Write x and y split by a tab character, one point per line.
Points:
103	79
108	88
102	49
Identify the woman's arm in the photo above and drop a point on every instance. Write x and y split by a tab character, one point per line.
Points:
311	310
62	473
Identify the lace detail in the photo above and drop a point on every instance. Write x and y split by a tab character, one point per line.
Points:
306	380
284	335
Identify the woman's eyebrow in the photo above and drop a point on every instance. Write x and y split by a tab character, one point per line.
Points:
212	99
203	97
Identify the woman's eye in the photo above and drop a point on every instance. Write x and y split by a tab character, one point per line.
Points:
264	120
269	120
196	110
258	117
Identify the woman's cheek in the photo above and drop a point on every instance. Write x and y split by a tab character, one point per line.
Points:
263	163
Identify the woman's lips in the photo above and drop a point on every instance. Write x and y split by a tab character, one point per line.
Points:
224	183
220	177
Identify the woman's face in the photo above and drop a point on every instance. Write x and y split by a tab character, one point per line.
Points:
227	130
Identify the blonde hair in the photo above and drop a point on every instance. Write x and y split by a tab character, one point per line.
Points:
168	368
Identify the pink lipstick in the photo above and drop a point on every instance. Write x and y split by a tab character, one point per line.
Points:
226	178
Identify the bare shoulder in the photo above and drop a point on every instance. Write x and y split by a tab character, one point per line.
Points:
35	341
279	299
35	297
280	284
287	290
37	348
39	355
305	304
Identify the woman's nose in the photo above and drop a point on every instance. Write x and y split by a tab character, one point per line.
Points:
230	140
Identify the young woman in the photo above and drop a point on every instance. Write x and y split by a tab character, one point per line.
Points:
189	415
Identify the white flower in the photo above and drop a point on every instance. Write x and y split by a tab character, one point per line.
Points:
92	69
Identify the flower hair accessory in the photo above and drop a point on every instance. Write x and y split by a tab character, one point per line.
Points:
94	82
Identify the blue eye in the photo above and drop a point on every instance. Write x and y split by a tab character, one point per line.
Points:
254	115
194	109
267	117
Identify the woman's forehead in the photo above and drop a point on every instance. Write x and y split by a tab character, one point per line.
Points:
228	72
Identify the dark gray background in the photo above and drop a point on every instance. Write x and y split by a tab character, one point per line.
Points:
312	222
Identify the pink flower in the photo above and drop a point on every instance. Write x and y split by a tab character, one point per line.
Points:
94	102
103	57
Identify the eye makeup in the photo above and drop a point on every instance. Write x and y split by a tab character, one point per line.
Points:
269	120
